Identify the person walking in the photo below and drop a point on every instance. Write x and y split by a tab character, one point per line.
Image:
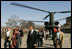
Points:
8	38
40	37
32	38
14	41
54	35
47	34
60	38
21	35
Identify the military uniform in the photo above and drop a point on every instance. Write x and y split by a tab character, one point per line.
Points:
54	40
54	37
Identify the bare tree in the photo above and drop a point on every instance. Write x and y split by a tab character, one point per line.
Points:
37	26
12	21
26	24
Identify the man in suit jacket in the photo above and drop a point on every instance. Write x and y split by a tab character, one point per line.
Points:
60	38
32	38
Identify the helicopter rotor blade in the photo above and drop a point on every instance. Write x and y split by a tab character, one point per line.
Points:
35	21
61	19
16	4
46	17
63	12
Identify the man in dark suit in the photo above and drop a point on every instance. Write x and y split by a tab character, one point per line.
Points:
32	38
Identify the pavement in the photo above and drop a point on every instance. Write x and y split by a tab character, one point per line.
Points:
47	43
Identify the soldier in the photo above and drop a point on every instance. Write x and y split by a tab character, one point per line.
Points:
54	32
54	37
59	38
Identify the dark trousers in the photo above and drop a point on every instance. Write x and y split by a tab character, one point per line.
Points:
7	41
17	43
47	36
54	40
30	46
54	44
20	41
40	42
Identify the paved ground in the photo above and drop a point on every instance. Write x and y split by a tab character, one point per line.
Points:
47	44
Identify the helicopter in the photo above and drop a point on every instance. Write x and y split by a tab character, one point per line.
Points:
48	25
51	24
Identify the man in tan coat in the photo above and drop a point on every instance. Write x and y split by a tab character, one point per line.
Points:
8	38
60	39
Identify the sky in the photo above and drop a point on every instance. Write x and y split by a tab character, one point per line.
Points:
8	10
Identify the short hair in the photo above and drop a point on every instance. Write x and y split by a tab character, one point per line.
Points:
20	26
8	27
32	26
17	26
59	28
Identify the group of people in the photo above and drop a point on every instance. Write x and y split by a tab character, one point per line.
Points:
58	38
34	38
13	38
